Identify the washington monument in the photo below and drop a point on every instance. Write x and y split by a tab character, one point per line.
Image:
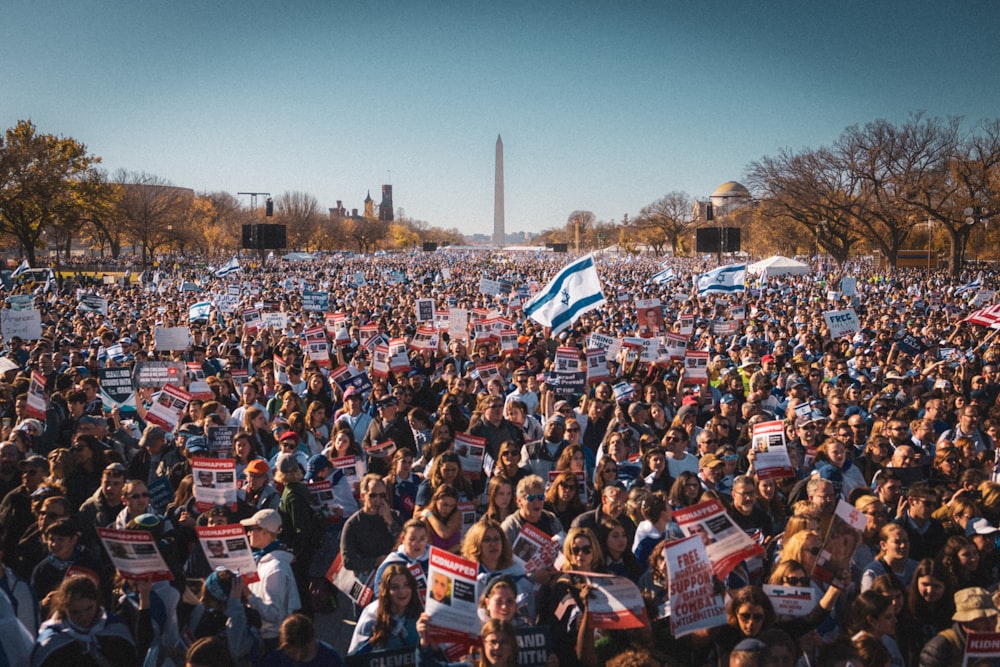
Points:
498	232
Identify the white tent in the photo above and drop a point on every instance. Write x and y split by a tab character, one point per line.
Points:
297	256
779	266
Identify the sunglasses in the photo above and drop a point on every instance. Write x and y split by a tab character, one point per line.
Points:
534	496
573	430
137	496
746	618
383	496
797	581
582	550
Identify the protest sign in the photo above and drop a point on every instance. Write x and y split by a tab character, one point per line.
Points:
323	501
220	440
791	600
725	542
425	310
353	466
134	554
694	603
315	302
695	367
458	324
214	483
26	324
597	366
534	645
842	539
452	597
676	346
842	322
347	581
381	450
252	320
615	602
161	494
425	338
535	548
394	657
649	316
37	403
277	321
489	287
116	389
227	547
168	406
157	374
771	459
470	450
982	649
93	303
361	383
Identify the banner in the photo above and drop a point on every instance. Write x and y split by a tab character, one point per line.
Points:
725	542
134	554
694	604
228	548
534	645
315	302
452	597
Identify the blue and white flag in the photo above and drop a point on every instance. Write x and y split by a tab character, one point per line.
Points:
663	277
574	291
21	269
723	280
199	311
973	286
230	267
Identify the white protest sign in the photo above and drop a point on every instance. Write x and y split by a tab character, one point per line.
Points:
842	322
172	338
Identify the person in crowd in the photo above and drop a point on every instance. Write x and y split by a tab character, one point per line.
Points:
81	632
391	620
275	595
974	612
298	645
370	533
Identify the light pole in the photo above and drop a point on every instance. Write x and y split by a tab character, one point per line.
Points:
980	215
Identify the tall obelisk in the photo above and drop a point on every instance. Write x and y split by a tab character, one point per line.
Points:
498	232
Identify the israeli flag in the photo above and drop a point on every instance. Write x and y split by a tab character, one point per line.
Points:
574	291
663	277
22	268
723	280
231	267
199	311
974	286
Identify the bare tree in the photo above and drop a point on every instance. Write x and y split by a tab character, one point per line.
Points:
667	220
301	213
150	208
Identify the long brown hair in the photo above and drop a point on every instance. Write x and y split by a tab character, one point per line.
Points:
508	635
383	614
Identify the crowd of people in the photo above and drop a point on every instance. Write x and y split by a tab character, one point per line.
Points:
897	419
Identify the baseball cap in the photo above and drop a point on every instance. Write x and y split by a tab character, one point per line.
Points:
980	526
258	467
269	520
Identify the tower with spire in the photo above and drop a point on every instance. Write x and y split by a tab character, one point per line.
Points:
369	207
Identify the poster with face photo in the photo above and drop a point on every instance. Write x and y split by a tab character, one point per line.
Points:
425	310
214	483
227	547
134	554
649	315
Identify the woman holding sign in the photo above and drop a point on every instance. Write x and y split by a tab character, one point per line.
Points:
391	621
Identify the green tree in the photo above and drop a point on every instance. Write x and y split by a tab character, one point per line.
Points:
39	178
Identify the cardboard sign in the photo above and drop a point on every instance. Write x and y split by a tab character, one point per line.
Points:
228	548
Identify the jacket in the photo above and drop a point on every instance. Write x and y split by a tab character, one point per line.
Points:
274	596
942	650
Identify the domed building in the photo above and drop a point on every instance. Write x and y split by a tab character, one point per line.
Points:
728	196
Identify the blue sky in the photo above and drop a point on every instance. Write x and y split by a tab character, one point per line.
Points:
602	106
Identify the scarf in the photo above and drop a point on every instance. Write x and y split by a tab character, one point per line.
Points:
277	545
